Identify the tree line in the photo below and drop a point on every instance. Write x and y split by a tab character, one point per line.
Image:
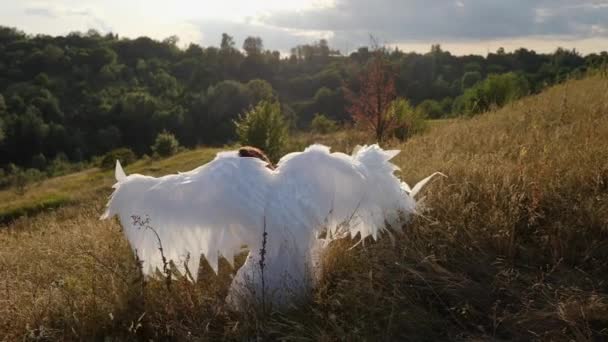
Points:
77	96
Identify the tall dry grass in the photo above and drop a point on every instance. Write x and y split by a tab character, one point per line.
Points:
513	245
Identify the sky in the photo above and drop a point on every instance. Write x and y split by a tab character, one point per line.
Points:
460	26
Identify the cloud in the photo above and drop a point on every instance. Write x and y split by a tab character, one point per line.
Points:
347	24
43	12
421	20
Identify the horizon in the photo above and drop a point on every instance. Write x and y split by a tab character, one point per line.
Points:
454	49
461	27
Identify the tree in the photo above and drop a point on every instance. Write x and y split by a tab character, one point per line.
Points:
260	90
409	120
171	40
227	42
124	155
322	124
2	113
2	134
496	90
165	144
369	106
39	161
253	46
220	106
469	79
431	109
263	127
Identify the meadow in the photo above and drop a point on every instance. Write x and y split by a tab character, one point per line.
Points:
512	245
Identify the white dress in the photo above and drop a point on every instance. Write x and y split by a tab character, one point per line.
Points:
288	214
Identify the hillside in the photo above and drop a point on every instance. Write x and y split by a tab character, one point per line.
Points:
513	245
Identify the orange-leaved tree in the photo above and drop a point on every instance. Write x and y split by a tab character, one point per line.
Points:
369	105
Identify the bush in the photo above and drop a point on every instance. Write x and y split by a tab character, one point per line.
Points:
264	127
124	155
165	144
322	124
409	120
431	109
39	161
469	79
495	91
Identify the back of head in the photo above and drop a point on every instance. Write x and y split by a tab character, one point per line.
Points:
253	152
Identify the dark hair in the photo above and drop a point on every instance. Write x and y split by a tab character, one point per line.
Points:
253	152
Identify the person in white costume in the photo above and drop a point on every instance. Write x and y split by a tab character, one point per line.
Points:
285	216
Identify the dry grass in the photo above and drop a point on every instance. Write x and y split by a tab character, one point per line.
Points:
512	246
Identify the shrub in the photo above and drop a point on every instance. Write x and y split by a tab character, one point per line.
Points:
59	165
409	120
124	155
165	144
431	109
322	124
264	127
469	79
39	161
495	91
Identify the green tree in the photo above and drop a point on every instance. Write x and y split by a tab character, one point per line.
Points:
496	90
264	127
470	78
253	46
227	42
2	134
39	161
124	155
322	124
409	120
220	106
430	109
165	144
260	90
2	114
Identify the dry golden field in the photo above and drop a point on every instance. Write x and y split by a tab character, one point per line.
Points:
513	245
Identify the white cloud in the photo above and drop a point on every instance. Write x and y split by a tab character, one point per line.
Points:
282	24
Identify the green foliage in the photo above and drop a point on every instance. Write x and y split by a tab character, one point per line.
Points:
410	121
431	109
260	90
124	155
39	161
165	144
85	94
495	91
322	124
60	165
264	127
470	78
19	178
253	46
223	103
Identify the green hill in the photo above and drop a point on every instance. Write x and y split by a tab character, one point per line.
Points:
513	245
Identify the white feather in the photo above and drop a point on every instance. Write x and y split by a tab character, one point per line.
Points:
119	173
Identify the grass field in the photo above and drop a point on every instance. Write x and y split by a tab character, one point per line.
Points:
513	245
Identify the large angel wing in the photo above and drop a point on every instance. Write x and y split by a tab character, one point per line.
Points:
335	193
212	210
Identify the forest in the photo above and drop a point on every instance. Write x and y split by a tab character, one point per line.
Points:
67	99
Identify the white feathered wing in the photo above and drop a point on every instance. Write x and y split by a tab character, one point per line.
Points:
232	201
212	210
